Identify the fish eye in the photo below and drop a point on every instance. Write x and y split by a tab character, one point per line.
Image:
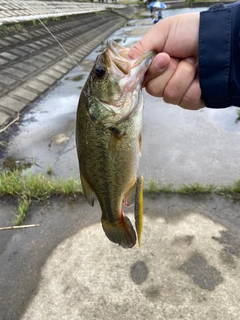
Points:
100	71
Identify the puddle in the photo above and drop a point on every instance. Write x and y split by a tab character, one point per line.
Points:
11	164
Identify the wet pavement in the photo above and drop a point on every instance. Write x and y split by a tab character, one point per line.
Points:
188	265
173	150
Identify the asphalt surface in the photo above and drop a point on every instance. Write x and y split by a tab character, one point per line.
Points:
188	265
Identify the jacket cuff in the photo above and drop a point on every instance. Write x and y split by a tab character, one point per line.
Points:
214	56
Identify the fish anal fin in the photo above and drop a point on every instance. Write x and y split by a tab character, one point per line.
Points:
129	197
138	210
87	190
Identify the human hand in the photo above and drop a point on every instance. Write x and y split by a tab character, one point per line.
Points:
173	73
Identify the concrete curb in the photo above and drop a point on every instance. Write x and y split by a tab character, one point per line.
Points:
26	74
16	11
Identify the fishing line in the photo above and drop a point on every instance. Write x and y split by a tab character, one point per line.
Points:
59	43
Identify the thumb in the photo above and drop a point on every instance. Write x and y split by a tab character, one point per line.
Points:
158	66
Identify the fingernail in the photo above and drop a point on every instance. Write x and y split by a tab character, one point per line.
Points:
191	60
160	64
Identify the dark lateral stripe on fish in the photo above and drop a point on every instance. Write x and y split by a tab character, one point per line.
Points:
138	209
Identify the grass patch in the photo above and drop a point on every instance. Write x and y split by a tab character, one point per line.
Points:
154	187
18	27
23	207
29	187
4	29
238	113
49	171
38	187
100	13
194	188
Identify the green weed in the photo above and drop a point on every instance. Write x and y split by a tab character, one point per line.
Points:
22	210
30	187
195	188
49	170
154	187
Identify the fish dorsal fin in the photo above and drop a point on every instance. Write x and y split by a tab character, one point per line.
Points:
87	190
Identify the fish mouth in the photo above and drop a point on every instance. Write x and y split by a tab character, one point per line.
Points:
119	56
117	50
127	74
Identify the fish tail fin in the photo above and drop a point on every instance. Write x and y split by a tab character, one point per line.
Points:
120	231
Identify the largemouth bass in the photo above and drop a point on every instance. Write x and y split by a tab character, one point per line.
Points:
108	139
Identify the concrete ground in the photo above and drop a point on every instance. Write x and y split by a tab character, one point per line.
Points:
188	265
187	268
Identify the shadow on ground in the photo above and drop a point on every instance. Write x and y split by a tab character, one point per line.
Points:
187	268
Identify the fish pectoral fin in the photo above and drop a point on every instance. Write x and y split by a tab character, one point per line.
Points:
115	139
87	190
138	210
129	197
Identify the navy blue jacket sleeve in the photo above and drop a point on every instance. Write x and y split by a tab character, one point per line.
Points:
219	56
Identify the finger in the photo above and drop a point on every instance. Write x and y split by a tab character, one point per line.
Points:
180	81
177	36
156	85
158	66
192	98
154	39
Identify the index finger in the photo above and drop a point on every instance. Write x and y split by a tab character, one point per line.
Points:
177	36
150	41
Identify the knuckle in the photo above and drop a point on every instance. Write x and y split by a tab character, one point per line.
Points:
170	93
154	88
192	98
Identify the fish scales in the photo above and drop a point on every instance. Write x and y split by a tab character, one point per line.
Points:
108	137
